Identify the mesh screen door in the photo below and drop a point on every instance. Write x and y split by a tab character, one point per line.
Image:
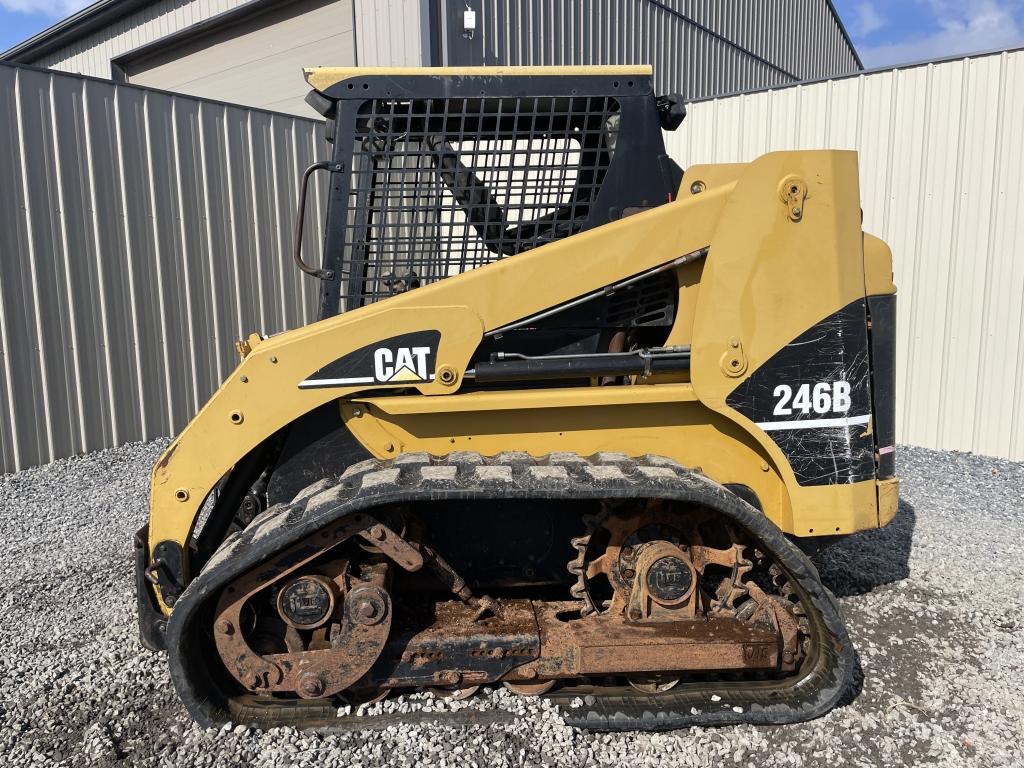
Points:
441	186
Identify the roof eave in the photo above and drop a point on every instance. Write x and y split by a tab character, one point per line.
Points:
67	31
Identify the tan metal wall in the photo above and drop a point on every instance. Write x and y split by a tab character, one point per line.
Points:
392	33
141	233
942	181
92	54
259	61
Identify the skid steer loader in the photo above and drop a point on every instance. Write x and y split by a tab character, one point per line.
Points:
570	421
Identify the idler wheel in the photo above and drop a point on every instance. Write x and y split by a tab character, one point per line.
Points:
531	689
306	602
653	683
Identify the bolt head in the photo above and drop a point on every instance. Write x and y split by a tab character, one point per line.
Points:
628	552
629	573
312	686
368	611
225	627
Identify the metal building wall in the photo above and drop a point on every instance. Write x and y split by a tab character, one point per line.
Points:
388	32
392	33
256	61
91	55
141	233
697	47
942	181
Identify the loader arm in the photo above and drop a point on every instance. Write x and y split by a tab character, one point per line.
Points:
263	395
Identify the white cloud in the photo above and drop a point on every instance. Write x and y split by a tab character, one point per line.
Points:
868	19
963	27
55	9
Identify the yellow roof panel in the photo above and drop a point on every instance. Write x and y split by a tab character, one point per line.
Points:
322	78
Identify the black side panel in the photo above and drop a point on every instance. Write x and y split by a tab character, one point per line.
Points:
882	310
814	398
318	445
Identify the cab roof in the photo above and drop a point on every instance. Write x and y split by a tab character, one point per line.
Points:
323	78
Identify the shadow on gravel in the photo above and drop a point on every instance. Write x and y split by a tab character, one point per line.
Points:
859	563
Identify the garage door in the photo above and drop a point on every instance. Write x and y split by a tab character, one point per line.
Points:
258	60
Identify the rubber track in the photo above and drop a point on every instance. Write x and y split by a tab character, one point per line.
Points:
463	475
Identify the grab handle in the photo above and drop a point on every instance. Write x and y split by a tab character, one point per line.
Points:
323	165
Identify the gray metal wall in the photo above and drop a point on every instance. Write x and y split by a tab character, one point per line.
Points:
942	182
697	47
141	233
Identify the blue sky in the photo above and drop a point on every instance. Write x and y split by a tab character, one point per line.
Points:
20	19
898	31
884	31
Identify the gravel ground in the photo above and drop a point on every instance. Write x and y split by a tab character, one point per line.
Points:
933	603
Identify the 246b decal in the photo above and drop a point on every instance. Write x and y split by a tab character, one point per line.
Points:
822	397
813	397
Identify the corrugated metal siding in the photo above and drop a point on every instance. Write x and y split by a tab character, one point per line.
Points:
800	36
392	33
91	55
141	234
942	182
697	47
